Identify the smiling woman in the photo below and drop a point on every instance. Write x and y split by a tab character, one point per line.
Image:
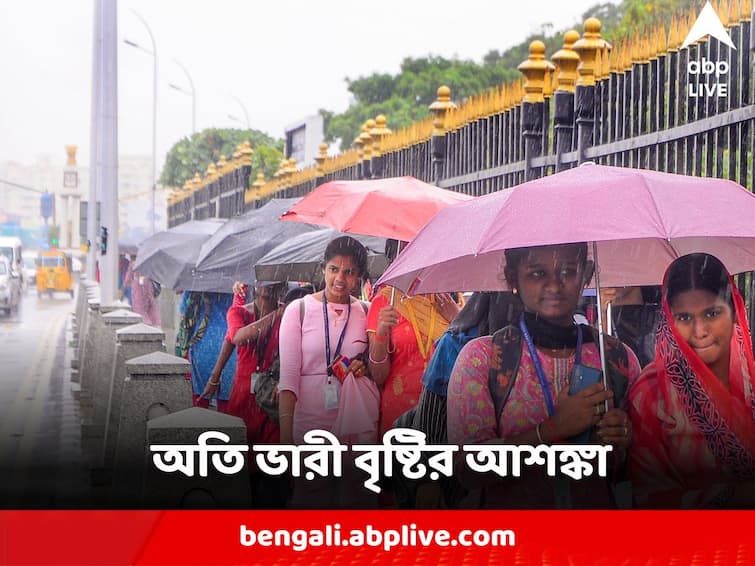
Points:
693	409
322	340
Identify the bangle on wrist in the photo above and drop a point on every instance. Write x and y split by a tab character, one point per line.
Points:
379	338
216	382
284	415
539	436
377	362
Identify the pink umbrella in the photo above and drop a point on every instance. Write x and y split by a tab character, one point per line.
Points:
389	208
639	221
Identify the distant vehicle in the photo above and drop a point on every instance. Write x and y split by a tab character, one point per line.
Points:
54	273
30	268
10	286
11	247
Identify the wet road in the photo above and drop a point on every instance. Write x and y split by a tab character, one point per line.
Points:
40	462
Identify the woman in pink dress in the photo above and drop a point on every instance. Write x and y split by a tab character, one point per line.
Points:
693	408
143	300
314	331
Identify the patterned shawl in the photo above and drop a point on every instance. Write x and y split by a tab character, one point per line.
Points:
725	418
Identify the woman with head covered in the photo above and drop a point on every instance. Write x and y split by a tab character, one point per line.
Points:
693	408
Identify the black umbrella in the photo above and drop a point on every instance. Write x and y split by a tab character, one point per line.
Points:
169	257
232	251
300	257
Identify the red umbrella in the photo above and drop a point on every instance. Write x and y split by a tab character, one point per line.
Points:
395	208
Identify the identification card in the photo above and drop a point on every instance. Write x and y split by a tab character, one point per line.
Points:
331	396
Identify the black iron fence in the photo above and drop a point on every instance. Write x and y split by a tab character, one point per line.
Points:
644	102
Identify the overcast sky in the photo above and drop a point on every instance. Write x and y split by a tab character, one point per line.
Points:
282	59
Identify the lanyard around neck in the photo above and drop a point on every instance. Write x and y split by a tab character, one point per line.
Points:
424	347
539	366
328	359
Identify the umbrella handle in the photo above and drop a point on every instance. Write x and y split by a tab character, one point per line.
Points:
601	341
393	289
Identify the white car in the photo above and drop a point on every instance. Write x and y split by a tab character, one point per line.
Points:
10	286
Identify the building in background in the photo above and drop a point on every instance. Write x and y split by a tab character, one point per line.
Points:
69	184
303	139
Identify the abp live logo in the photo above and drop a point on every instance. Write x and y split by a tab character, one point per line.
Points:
708	23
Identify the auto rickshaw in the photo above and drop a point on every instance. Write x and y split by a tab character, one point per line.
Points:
54	273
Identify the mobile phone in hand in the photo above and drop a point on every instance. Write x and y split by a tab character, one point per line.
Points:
340	367
584	377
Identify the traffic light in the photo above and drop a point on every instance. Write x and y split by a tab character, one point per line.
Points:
103	240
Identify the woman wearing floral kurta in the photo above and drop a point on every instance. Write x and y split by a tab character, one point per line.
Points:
539	409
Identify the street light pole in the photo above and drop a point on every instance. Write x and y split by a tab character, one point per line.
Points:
192	93
154	115
246	114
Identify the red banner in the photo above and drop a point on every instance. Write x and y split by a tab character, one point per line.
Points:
379	537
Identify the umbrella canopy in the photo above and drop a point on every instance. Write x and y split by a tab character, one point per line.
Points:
299	258
169	256
390	208
641	220
232	251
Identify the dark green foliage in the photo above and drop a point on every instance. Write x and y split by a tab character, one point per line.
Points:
194	154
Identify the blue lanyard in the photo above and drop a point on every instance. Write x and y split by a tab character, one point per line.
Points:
328	360
539	366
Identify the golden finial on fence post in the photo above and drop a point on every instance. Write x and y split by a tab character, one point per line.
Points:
320	159
222	163
567	61
211	173
534	70
644	47
257	186
290	165
733	12
745	10
653	44
377	133
358	146
661	43
440	108
587	48
367	139
246	152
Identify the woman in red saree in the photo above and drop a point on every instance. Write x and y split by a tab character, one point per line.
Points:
693	409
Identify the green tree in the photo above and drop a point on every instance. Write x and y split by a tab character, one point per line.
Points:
404	97
194	154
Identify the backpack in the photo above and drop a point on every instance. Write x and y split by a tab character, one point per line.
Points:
507	353
267	382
